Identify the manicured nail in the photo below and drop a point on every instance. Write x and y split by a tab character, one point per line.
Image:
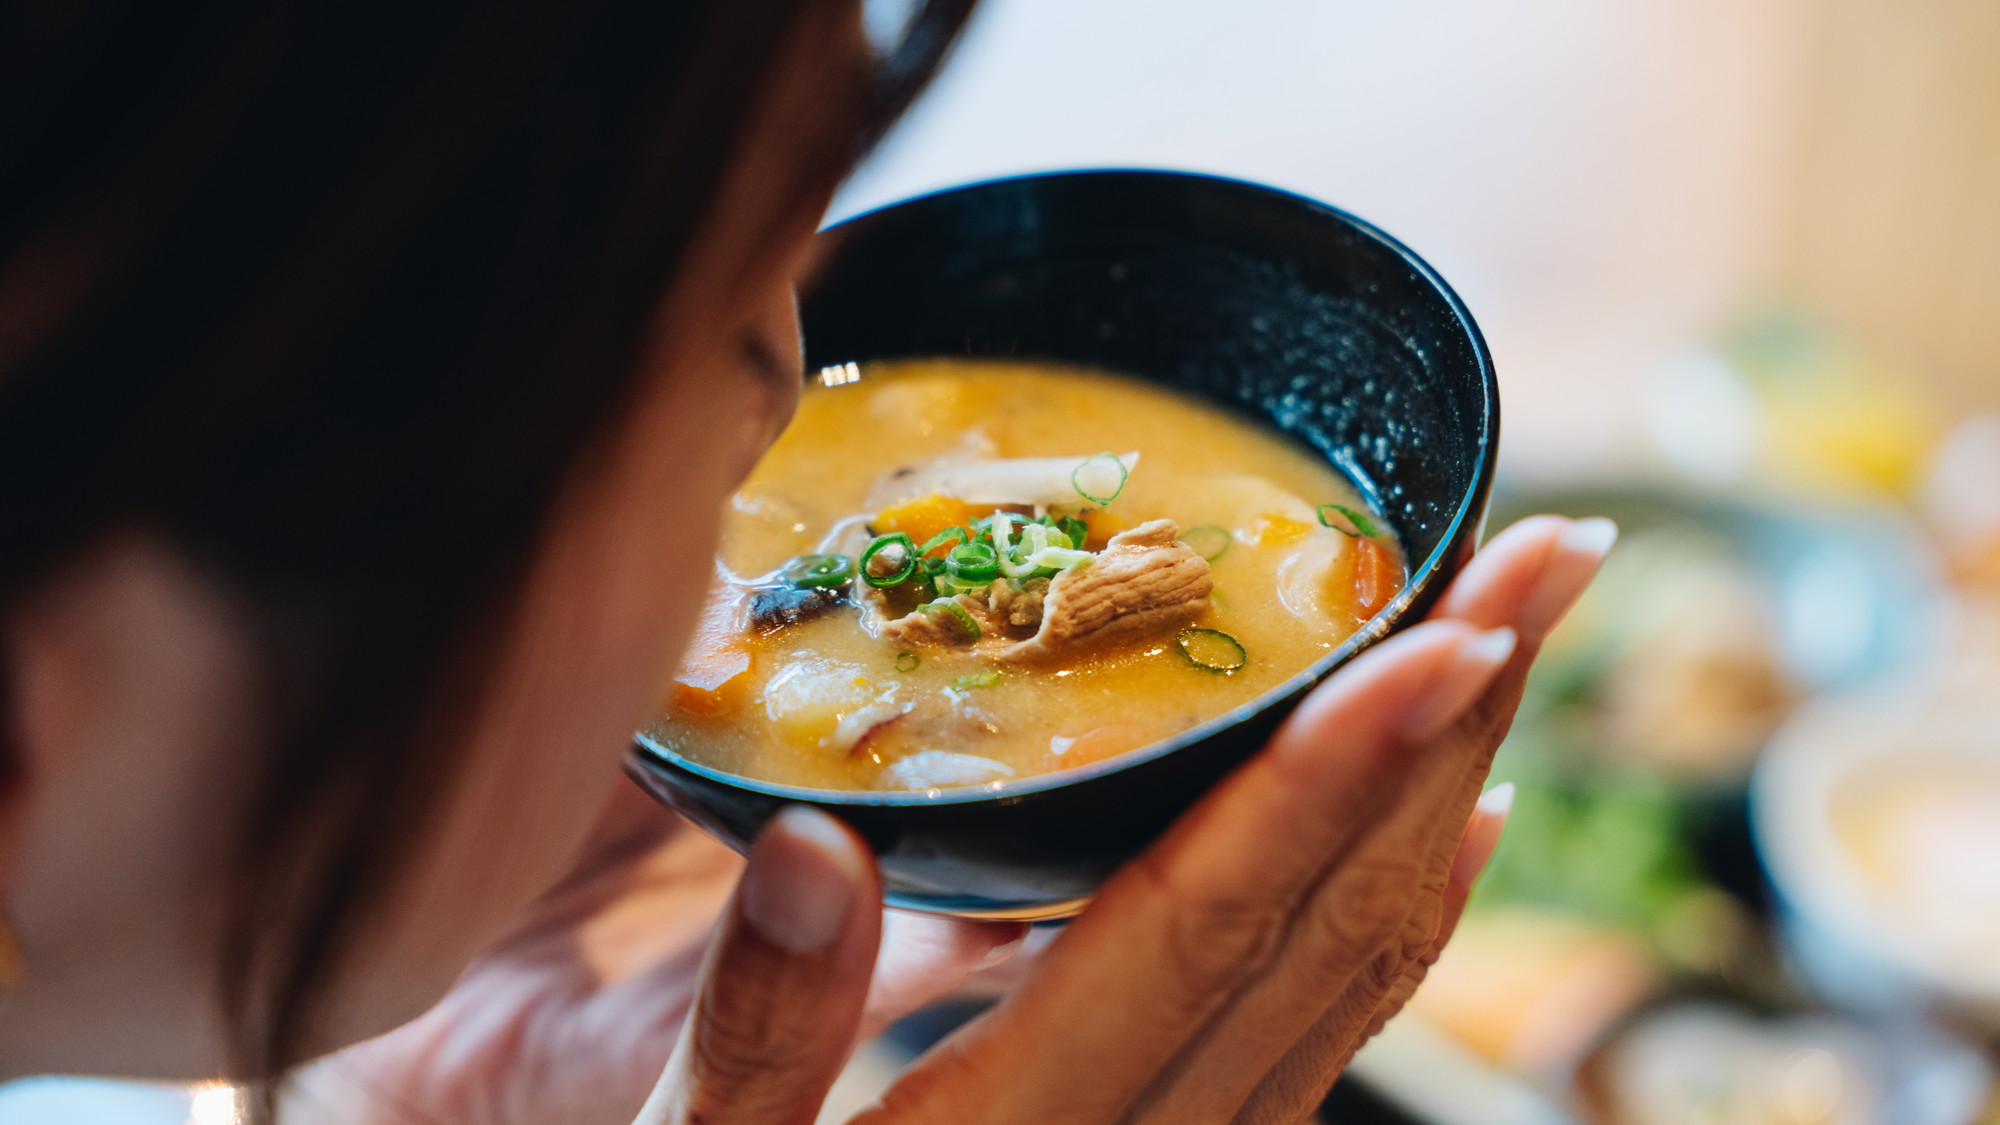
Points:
1572	564
1463	681
1489	816
802	882
1001	953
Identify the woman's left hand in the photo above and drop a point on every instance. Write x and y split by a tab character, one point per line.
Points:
573	1017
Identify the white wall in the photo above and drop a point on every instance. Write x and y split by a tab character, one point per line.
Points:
1598	178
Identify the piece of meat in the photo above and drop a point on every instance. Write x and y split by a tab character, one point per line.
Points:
934	627
1145	581
1020	608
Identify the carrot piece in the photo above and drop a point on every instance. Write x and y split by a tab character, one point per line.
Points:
714	671
926	516
1377	577
1275	530
1099	526
1095	744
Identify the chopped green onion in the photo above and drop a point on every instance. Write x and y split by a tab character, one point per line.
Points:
907	662
1075	529
948	586
977	680
1212	650
1059	558
808	571
1100	467
1014	563
1000	529
1207	540
887	578
948	535
973	563
951	606
1364	528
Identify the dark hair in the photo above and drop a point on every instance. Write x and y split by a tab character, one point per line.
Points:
332	295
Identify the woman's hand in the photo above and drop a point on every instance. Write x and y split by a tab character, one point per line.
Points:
572	1018
1230	972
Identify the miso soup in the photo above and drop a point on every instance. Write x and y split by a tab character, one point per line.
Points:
956	573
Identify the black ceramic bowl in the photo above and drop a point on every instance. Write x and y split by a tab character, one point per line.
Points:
1274	306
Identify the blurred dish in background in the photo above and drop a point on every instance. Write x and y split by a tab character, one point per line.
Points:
1878	814
1786	401
1715	1062
1627	866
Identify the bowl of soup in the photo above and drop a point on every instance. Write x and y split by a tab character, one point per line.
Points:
1095	475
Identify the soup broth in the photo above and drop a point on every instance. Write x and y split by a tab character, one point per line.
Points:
1103	631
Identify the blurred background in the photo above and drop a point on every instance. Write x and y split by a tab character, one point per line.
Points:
1739	263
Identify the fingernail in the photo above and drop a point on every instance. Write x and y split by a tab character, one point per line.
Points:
803	878
1000	953
1572	564
1489	817
1462	682
1497	801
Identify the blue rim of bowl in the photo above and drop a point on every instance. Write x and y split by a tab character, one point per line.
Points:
1470	506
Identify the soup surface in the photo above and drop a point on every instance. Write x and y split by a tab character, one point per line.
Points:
954	573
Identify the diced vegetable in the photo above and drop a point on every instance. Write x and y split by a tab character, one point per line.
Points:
715	670
805	571
1095	744
1207	540
922	518
1212	650
1273	529
943	540
1026	481
890	560
1377	577
1099	526
1348	521
828	705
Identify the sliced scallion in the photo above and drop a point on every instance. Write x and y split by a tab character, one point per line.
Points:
947	536
808	571
1354	525
1059	558
1207	540
1212	650
1015	561
950	606
1075	529
977	680
882	567
1104	473
907	662
973	563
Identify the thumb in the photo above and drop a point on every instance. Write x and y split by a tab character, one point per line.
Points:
784	983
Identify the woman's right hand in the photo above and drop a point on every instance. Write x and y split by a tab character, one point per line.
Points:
1228	973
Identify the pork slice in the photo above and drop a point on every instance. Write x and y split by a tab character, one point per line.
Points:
1144	582
923	627
1020	607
